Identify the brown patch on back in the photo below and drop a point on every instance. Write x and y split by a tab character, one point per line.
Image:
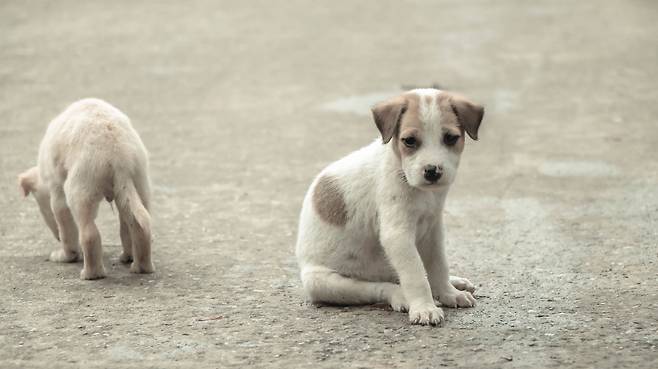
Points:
329	202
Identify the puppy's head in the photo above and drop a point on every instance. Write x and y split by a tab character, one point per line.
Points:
30	183
426	129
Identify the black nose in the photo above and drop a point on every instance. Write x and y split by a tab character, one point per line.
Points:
432	173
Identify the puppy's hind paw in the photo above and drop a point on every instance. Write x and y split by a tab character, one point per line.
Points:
462	284
62	256
462	299
125	258
91	274
426	314
142	268
398	302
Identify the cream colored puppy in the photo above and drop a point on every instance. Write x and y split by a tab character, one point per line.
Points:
371	227
91	152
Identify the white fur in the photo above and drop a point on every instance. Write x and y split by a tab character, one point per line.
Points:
91	152
392	247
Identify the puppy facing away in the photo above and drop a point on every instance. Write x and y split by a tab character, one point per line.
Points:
91	152
371	227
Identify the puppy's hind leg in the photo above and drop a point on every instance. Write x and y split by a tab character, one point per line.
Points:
85	210
136	219
462	284
126	242
324	285
68	231
140	234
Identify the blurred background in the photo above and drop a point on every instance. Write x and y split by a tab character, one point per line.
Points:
553	216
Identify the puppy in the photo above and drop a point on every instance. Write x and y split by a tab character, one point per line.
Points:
371	227
91	152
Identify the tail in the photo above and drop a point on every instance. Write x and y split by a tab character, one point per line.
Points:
132	206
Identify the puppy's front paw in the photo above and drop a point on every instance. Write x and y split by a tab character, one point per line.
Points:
62	256
89	273
425	314
457	298
142	268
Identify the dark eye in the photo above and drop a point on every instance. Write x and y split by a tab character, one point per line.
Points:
410	141
450	139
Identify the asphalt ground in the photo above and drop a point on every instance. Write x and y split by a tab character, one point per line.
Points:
553	215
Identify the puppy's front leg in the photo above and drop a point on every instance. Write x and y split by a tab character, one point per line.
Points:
68	231
437	271
399	242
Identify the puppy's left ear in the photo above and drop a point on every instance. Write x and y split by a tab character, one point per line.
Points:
387	116
28	180
469	114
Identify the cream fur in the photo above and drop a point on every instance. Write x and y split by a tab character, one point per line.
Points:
391	249
91	152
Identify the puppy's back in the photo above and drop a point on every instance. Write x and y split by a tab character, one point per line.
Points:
92	130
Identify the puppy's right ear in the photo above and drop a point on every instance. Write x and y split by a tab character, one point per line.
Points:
387	116
28	180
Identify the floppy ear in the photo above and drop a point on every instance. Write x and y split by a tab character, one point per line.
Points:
28	180
468	114
387	116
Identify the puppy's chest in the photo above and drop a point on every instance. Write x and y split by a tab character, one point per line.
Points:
427	212
425	225
426	206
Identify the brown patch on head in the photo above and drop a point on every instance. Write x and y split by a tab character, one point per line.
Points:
449	121
329	202
400	117
467	114
428	99
410	126
387	116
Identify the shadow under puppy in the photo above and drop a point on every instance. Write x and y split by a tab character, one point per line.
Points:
91	152
371	227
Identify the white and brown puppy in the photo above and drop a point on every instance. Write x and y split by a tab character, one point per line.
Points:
371	227
91	152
